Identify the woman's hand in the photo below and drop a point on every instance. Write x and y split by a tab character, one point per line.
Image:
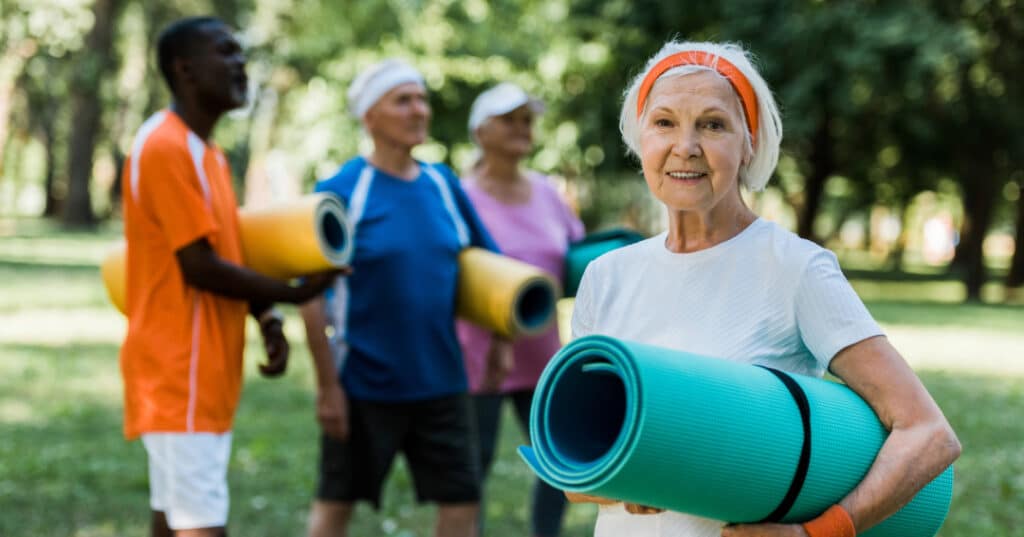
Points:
577	497
634	508
637	509
764	530
500	361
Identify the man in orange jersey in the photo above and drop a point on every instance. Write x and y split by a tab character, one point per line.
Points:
187	289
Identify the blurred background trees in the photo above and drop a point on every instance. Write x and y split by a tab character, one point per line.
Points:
899	117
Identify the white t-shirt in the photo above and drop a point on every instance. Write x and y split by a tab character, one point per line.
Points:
765	296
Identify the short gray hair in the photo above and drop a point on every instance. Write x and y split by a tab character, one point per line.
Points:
769	131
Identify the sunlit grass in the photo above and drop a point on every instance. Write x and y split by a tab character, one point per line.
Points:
43	242
65	469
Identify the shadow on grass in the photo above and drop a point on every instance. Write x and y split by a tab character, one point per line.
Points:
988	489
940	314
61	266
68	471
993	275
20	227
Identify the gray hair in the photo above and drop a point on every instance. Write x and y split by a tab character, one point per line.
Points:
755	174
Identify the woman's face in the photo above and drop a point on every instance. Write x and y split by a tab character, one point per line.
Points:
509	134
401	116
692	142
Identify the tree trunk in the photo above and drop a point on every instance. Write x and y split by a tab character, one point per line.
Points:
822	166
979	196
114	194
1015	278
86	110
895	261
52	207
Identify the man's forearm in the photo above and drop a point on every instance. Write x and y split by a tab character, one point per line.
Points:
234	281
316	338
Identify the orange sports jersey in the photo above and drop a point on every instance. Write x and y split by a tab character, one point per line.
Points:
182	356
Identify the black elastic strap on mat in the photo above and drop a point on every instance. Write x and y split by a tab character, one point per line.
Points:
805	452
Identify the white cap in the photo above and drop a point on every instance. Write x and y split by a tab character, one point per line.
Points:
377	80
497	101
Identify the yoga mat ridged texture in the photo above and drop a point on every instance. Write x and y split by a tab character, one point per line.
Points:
285	240
704	436
592	246
505	295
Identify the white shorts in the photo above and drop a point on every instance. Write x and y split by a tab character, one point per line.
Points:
188	478
614	521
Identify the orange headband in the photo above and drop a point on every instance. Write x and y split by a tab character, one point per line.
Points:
696	57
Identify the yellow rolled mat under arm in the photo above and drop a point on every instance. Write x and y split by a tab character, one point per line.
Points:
286	240
505	295
307	235
112	270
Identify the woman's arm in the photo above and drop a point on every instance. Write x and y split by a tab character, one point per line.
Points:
921	444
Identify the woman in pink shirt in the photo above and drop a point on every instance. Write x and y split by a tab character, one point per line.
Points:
529	221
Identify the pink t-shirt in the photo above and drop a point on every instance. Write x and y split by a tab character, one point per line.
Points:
537	232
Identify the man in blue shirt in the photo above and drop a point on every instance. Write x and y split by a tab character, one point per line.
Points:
402	383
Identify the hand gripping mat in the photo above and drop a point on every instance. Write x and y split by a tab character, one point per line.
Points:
709	437
285	240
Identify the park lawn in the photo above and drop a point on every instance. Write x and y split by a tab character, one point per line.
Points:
66	471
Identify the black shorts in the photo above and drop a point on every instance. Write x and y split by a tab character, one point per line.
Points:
436	436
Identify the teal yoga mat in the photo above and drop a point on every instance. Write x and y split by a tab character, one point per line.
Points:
592	246
708	437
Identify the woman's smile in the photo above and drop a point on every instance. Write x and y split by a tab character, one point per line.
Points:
687	177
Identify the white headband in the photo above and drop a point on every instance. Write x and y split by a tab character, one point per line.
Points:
497	101
377	80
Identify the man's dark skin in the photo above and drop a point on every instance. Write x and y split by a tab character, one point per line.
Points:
205	85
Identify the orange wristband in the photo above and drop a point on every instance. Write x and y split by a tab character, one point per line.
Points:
835	522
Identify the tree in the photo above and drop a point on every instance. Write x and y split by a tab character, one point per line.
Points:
984	127
1015	277
42	84
95	61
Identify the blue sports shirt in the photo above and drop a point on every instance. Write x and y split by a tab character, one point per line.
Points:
394	316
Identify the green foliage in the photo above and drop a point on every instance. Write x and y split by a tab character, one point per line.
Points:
893	98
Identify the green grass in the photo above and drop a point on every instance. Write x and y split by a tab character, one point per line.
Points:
65	469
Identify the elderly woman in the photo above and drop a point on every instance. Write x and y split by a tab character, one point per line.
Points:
530	222
391	378
722	282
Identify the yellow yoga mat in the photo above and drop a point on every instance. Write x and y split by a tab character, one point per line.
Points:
286	240
112	271
505	295
307	235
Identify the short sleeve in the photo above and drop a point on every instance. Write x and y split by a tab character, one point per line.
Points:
574	230
478	234
583	307
344	181
169	190
829	314
335	185
573	224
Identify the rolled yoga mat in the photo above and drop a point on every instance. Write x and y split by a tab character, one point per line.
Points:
505	295
285	240
709	437
592	246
